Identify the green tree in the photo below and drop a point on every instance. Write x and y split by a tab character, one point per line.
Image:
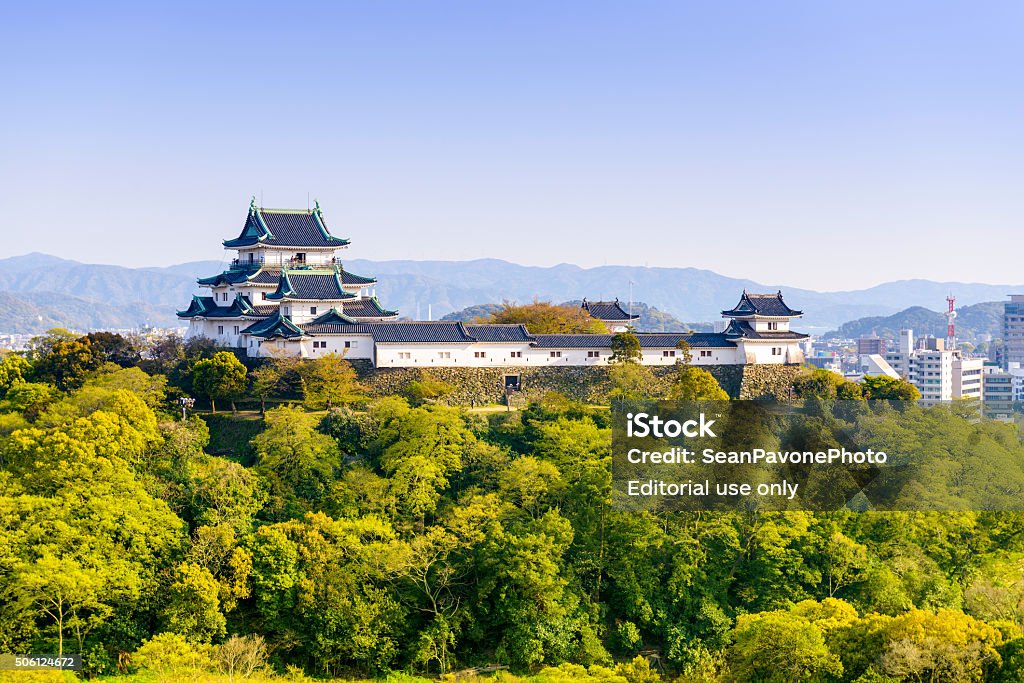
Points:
625	348
320	585
884	388
270	377
528	481
543	317
76	518
945	646
780	646
68	363
696	384
424	446
297	458
631	381
328	381
193	605
825	384
30	398
40	347
13	370
171	657
216	550
64	591
220	377
111	347
219	491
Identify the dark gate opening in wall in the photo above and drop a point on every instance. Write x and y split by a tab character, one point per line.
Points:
513	383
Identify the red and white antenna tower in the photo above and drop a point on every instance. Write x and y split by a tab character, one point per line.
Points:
951	328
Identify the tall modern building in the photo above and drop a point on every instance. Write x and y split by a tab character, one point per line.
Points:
999	386
938	373
867	346
1013	331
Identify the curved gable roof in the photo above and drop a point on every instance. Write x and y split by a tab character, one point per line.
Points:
770	305
285	228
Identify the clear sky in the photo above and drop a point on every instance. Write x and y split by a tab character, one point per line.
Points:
829	145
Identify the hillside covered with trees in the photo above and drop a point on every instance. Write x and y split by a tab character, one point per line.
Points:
334	535
971	322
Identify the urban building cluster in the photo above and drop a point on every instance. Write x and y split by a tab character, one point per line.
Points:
939	368
287	293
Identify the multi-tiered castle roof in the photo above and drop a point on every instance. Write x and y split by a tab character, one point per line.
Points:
285	274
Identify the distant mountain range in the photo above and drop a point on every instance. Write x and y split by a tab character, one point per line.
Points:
85	296
971	322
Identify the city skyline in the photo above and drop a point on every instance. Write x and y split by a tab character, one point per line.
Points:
822	147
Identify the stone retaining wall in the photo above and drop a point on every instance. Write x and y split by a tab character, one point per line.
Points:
590	384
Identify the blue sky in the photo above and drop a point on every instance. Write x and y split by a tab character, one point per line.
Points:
819	144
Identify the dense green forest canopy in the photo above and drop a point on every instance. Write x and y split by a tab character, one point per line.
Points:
343	536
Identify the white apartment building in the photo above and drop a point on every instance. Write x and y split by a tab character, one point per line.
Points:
939	374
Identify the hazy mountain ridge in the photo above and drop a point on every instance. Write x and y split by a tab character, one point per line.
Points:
36	312
971	322
152	295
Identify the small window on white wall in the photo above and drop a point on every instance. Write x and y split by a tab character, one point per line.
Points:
517	354
444	354
236	329
705	353
593	354
556	354
404	355
220	329
312	310
479	354
776	350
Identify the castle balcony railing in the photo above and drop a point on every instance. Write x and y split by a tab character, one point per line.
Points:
245	264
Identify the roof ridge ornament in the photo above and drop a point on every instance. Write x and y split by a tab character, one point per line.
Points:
252	204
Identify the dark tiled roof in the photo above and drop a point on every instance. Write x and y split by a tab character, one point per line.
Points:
696	340
348	278
214	280
206	307
332	317
761	304
607	311
275	325
315	328
262	311
741	329
573	341
266	277
285	228
198	306
234	277
499	333
419	332
366	308
310	287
